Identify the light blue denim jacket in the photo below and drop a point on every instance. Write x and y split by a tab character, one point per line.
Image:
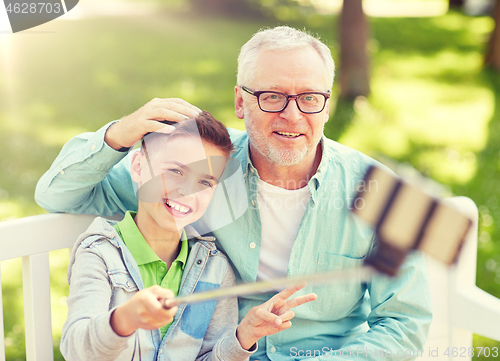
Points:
103	275
348	321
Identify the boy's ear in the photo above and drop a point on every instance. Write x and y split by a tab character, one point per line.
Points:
136	167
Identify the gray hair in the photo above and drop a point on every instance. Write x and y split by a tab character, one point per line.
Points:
280	38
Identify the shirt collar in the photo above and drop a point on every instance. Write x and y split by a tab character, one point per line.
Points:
244	156
183	254
318	177
140	249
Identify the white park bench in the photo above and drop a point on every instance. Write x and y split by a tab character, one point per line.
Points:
460	308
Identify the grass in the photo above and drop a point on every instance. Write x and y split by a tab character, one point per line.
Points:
431	106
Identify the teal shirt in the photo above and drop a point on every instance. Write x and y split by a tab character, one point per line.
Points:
348	320
153	270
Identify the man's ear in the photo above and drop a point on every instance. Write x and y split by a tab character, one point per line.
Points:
238	102
327	111
136	167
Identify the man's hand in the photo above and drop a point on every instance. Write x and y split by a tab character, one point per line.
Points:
131	128
143	310
271	317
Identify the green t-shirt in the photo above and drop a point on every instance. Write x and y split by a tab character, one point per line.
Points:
153	269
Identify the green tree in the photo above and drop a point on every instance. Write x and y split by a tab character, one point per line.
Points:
354	73
233	8
354	76
492	55
456	3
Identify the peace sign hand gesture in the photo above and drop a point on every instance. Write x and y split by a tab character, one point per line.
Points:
271	317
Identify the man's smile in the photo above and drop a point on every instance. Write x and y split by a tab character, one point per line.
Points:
288	134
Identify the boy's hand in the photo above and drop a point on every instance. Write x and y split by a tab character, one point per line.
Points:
143	310
271	317
131	128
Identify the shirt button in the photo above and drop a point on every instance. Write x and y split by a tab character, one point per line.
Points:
272	349
62	172
253	203
93	146
128	284
161	268
161	351
164	285
252	245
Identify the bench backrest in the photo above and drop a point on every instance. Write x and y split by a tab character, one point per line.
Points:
32	238
459	307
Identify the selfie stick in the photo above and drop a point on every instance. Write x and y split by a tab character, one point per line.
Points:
404	218
362	274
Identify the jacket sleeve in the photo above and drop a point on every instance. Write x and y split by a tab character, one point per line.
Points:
220	342
399	319
87	333
89	177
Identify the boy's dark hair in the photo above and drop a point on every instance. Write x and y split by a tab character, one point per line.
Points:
207	128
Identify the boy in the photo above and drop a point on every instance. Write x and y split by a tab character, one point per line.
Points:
119	273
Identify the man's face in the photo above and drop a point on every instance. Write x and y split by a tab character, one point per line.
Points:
288	137
185	174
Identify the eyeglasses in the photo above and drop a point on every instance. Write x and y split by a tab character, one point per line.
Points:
275	102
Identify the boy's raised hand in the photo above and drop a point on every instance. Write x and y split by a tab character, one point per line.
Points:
271	317
131	128
144	310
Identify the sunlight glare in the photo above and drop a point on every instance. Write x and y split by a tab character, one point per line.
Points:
6	65
4	21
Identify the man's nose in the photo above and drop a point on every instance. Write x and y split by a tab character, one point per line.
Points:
291	111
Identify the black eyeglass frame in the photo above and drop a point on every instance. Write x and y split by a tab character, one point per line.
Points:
288	97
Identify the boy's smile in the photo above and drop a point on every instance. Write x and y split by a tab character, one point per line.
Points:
176	208
177	178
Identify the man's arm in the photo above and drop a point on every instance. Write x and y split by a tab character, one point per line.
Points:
399	319
84	179
90	175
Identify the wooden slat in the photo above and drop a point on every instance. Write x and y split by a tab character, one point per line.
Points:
32	238
2	334
39	234
37	313
477	311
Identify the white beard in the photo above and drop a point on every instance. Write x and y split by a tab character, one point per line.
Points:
278	156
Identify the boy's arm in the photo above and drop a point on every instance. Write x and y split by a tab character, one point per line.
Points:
88	176
220	342
87	333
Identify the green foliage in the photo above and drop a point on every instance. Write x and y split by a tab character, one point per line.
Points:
484	189
434	107
233	8
431	106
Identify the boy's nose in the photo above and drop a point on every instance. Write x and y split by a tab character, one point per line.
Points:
187	188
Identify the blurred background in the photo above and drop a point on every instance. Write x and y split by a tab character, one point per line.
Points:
417	81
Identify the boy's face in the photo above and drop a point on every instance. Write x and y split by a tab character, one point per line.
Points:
185	174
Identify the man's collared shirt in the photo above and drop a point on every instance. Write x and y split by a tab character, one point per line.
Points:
153	269
330	238
397	311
